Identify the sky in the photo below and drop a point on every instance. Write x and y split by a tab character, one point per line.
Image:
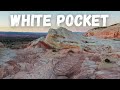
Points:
114	17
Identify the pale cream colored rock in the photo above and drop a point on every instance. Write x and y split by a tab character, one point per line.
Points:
62	38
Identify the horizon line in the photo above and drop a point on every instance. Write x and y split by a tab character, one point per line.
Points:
28	32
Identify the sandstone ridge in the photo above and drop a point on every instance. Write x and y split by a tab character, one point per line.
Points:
110	32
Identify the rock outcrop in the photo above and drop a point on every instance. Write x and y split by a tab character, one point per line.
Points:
98	45
62	38
110	32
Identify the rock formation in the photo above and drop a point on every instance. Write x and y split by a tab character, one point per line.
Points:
110	32
63	54
62	38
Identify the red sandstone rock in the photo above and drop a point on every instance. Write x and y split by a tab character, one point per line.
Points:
44	45
112	32
69	65
40	44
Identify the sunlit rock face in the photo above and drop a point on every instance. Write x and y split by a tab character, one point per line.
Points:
62	38
110	32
